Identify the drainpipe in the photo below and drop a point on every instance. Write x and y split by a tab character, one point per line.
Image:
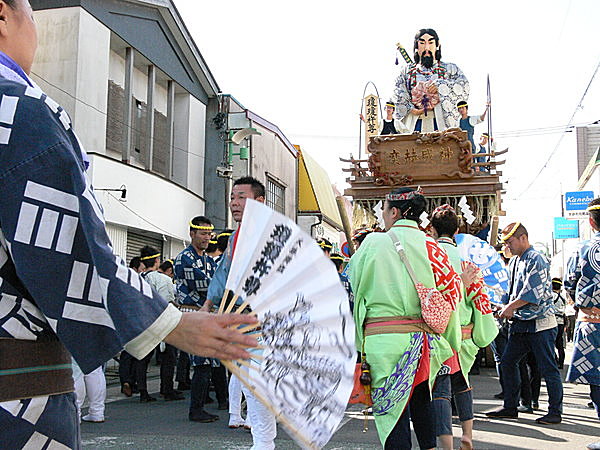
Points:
312	234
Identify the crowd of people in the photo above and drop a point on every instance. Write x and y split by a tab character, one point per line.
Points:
527	333
195	282
421	313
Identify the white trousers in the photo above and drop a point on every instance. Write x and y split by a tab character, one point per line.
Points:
235	400
94	384
264	426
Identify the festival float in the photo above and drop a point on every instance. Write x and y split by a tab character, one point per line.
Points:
421	144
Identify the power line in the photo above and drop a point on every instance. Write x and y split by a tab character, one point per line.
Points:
539	130
168	233
525	132
579	105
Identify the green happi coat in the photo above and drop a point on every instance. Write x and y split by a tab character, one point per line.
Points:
474	310
383	288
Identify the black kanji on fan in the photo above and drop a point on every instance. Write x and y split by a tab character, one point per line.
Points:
252	285
261	267
281	234
272	251
285	262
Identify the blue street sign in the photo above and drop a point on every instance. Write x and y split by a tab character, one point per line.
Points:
565	228
578	200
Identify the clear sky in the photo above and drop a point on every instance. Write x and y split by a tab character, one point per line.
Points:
304	65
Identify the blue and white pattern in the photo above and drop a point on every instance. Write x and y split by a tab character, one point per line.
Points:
532	283
193	273
33	423
59	278
582	279
582	282
219	279
484	256
453	87
346	283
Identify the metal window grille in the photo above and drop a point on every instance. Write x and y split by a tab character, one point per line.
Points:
275	196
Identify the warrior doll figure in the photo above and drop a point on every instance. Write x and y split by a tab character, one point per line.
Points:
427	91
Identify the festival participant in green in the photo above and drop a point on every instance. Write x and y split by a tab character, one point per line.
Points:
478	330
402	350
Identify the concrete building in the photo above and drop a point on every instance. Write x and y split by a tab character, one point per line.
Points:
588	141
142	101
264	152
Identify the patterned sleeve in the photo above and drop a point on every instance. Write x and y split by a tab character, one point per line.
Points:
402	95
216	288
447	281
454	89
190	277
476	291
484	325
572	274
584	275
535	276
458	77
55	233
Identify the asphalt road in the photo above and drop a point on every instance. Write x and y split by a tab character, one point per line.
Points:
164	425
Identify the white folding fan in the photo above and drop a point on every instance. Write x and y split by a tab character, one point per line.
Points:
303	370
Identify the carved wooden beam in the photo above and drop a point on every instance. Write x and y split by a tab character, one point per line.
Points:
490	163
352	161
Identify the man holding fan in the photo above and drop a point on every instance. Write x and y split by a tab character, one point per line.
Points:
264	426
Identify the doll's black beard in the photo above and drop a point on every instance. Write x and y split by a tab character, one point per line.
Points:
427	61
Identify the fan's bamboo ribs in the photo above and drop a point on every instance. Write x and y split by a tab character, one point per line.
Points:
233	327
223	301
242	307
231	304
249	328
244	363
279	417
259	347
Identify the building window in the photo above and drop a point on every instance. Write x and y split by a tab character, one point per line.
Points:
138	123
275	196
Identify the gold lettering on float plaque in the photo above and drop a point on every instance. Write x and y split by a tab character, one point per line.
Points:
402	155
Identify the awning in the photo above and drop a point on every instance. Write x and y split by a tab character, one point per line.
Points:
315	194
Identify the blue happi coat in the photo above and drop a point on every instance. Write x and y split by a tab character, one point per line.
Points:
582	282
530	281
59	278
193	273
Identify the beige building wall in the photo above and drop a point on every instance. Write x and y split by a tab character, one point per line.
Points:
196	146
271	158
75	72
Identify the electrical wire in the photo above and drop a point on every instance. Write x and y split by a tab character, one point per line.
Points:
540	130
501	134
579	105
138	215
